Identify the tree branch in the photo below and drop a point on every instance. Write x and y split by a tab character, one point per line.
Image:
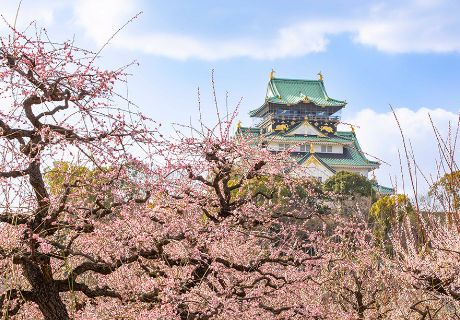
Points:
14	219
15	173
68	286
21	296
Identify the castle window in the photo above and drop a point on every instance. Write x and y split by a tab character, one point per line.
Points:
304	148
326	149
283	146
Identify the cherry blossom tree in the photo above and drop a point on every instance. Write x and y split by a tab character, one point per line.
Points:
103	217
355	281
426	252
92	229
427	275
243	228
58	105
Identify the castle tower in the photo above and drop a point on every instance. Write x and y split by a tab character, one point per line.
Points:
300	117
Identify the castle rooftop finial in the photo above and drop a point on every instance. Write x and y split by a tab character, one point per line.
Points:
320	76
272	74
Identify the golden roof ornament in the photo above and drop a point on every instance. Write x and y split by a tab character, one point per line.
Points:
272	74
320	76
238	124
312	148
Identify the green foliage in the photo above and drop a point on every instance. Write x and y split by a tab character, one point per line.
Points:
447	189
388	211
278	191
64	173
348	183
85	185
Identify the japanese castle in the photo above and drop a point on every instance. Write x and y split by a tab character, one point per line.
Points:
300	117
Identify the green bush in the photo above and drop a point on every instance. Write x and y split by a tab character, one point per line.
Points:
388	211
349	184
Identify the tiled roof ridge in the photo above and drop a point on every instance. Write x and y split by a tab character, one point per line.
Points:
294	127
274	133
273	84
289	79
274	88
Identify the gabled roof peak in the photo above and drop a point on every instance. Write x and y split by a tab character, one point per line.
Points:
292	91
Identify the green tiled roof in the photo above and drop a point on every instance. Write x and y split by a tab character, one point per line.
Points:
351	136
345	134
292	91
382	189
299	124
349	158
352	155
253	132
248	131
255	111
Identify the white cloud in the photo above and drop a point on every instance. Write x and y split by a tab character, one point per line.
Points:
289	42
101	19
392	26
379	136
423	26
414	26
40	11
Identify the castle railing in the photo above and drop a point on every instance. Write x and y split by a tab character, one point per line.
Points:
293	117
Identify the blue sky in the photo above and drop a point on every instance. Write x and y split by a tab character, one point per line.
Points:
371	53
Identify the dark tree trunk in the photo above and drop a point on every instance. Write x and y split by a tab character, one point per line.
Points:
41	194
51	305
45	293
37	267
